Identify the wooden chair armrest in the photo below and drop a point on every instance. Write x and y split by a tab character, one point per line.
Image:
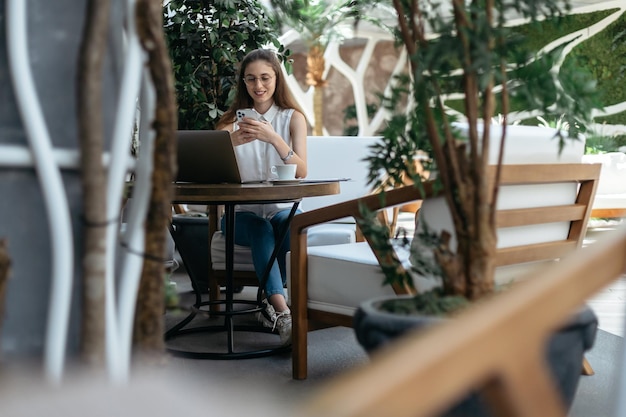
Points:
350	208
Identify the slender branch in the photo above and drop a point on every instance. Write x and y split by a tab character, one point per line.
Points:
452	171
148	331
488	96
409	43
505	112
470	87
91	134
417	29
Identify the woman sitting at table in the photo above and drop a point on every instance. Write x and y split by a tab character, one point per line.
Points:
277	137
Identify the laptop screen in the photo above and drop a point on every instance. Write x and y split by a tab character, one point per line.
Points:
206	156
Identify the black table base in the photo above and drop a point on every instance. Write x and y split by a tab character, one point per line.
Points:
179	330
229	313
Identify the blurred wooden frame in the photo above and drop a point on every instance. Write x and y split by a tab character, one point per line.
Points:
497	348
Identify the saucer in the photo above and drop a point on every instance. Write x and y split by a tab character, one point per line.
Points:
284	182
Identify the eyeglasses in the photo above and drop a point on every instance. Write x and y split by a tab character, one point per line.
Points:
265	79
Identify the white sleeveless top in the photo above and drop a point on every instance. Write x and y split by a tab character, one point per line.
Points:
255	159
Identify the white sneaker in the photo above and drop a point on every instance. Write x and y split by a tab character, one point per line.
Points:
277	321
266	315
283	324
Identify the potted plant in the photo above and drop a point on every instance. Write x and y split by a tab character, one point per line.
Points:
465	47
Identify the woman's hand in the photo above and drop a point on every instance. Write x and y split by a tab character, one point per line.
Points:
252	129
240	137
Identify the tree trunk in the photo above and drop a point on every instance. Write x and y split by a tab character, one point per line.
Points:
470	270
318	111
91	134
148	330
316	64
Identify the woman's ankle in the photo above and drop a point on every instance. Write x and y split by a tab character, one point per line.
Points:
279	303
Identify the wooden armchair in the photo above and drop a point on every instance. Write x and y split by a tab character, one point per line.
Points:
305	278
496	349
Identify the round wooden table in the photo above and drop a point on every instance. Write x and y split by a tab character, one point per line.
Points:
188	193
230	195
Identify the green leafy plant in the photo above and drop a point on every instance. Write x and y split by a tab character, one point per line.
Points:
206	41
465	47
350	117
603	56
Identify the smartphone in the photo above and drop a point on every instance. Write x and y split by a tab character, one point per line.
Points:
241	113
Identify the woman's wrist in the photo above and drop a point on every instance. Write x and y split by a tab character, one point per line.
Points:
288	156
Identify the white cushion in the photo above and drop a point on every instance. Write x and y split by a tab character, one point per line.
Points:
326	234
344	276
611	192
609	201
242	255
531	145
331	234
436	215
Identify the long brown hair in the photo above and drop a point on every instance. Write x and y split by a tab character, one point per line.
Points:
282	95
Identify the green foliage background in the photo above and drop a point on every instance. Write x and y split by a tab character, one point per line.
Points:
604	58
539	34
206	41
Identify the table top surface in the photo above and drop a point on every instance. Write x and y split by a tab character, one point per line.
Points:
186	193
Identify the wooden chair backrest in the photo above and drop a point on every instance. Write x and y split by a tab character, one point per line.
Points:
586	175
576	214
497	347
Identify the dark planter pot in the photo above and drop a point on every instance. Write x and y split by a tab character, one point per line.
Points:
375	328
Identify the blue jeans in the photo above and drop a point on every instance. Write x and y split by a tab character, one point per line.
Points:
260	235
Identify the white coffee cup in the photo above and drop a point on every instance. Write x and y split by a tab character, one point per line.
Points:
285	172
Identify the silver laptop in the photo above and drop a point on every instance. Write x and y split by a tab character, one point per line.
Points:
206	156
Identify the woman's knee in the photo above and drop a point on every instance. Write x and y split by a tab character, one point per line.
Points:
259	226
